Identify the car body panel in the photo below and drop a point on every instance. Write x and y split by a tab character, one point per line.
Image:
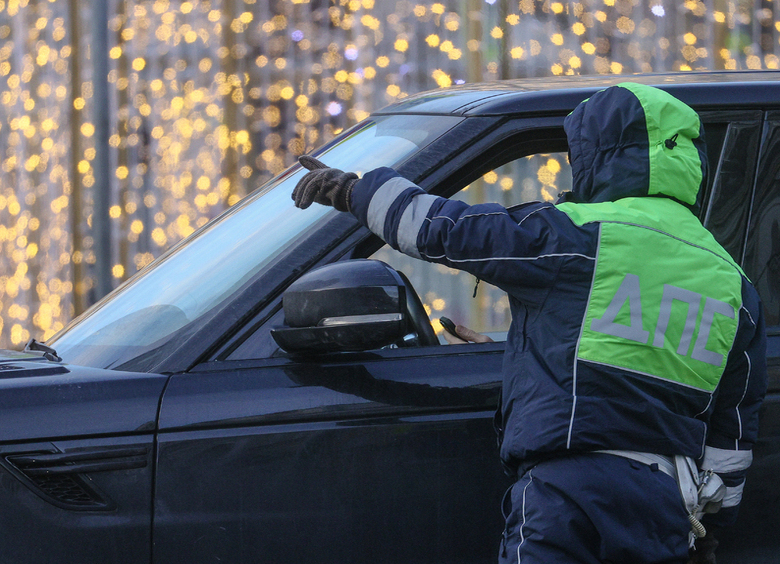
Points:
40	399
73	515
374	447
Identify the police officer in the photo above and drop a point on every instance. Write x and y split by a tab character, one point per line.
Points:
637	344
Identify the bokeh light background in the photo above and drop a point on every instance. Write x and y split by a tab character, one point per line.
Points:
204	100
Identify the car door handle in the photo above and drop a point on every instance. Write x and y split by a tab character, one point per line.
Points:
99	460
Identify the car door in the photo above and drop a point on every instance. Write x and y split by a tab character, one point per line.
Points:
361	457
754	538
387	455
76	459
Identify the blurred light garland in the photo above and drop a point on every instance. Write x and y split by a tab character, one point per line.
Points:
210	98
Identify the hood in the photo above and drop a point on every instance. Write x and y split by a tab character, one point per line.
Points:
633	140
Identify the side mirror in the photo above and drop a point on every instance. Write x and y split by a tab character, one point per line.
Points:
354	305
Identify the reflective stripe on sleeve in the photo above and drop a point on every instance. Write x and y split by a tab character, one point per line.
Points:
733	496
381	201
724	461
411	222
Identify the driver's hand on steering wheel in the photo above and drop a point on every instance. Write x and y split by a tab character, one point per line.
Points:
466	336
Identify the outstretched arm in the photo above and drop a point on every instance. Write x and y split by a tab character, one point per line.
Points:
520	251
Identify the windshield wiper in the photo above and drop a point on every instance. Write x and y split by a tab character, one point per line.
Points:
48	352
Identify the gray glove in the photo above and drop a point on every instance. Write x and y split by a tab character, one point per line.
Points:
324	185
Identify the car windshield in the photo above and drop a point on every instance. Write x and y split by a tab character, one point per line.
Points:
202	271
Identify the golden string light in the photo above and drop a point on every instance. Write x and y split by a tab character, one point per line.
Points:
210	98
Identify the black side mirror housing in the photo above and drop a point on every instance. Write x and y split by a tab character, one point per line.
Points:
354	305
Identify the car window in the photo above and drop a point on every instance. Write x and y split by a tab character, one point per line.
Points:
450	292
142	319
762	257
732	148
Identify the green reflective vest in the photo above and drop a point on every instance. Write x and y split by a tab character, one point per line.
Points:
677	322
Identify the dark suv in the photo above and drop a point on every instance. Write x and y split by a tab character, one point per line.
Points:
167	425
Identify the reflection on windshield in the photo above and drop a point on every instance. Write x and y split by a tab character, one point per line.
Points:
189	281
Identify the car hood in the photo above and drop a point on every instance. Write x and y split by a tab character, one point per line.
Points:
41	399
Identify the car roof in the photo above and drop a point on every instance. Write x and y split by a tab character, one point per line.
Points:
700	89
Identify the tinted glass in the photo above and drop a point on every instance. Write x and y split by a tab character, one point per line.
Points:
734	166
183	286
762	259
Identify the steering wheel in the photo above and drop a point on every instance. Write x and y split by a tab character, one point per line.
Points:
420	322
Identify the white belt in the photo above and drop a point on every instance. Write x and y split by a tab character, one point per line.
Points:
665	463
